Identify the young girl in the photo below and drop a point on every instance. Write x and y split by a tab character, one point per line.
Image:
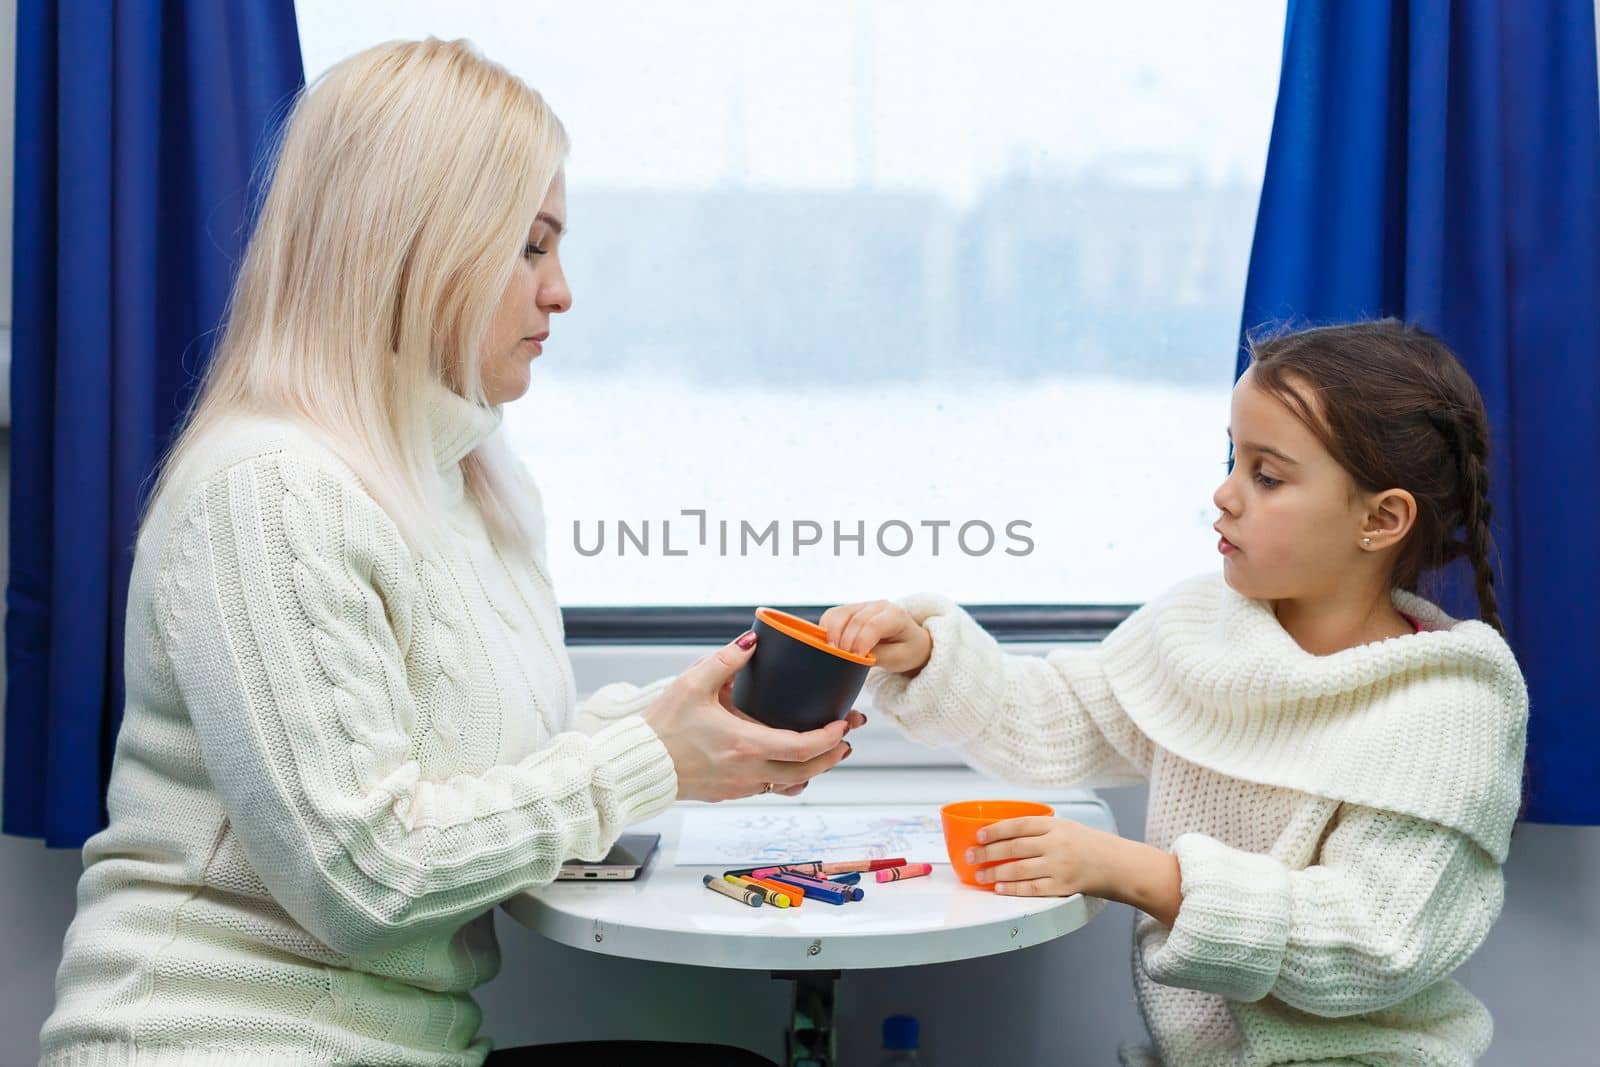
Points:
1334	763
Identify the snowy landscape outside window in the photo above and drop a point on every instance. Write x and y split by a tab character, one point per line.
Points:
879	297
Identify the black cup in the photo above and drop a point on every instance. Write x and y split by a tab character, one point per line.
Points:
796	680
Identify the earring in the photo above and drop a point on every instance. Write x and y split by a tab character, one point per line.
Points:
1366	542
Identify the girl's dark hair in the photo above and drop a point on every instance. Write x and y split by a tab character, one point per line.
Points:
1395	407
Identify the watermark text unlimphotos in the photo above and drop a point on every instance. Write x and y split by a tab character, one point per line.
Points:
694	532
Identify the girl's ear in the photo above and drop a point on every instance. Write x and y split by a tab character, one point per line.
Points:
1390	516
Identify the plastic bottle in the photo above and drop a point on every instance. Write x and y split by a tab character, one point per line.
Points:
900	1042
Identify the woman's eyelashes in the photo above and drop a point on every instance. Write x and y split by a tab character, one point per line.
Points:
533	249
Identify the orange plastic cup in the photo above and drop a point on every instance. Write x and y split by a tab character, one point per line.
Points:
964	819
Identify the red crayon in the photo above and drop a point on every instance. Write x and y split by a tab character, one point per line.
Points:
862	866
910	870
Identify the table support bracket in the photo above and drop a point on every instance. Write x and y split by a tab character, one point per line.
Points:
810	1040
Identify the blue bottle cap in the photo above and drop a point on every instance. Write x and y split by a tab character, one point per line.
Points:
900	1032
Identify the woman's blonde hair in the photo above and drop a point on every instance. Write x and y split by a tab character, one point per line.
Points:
401	195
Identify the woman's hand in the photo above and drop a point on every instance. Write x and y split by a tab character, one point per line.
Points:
720	756
1050	857
899	643
853	721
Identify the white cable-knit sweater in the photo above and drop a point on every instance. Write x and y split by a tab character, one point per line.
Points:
1339	820
336	758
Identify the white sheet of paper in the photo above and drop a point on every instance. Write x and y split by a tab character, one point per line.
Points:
749	836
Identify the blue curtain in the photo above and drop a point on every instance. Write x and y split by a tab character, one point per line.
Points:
139	126
1439	161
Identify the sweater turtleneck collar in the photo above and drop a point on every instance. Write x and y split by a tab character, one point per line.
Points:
456	425
1431	724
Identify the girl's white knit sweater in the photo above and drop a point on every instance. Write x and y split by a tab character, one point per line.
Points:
1339	821
336	757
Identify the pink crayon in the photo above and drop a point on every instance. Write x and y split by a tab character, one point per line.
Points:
910	870
812	868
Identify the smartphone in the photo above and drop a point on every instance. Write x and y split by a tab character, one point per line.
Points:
626	859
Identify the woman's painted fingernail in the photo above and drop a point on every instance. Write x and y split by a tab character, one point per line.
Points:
746	640
972	855
982	836
848	748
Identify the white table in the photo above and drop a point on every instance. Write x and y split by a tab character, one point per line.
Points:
667	914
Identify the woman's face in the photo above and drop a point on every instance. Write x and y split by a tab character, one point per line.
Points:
538	290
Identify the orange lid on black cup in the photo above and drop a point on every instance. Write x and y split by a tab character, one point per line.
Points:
809	633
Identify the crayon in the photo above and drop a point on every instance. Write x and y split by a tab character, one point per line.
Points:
808	867
845	879
749	874
820	892
770	896
783	888
739	893
862	866
910	870
850	892
746	871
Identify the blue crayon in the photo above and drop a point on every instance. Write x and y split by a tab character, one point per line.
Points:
814	890
845	879
848	893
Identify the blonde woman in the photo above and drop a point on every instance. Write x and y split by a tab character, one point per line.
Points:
351	725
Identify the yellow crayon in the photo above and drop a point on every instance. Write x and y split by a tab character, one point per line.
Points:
768	894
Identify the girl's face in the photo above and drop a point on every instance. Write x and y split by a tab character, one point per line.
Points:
1292	519
537	291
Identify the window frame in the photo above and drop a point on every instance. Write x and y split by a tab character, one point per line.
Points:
699	624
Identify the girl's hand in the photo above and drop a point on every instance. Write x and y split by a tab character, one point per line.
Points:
1050	857
900	644
1044	857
